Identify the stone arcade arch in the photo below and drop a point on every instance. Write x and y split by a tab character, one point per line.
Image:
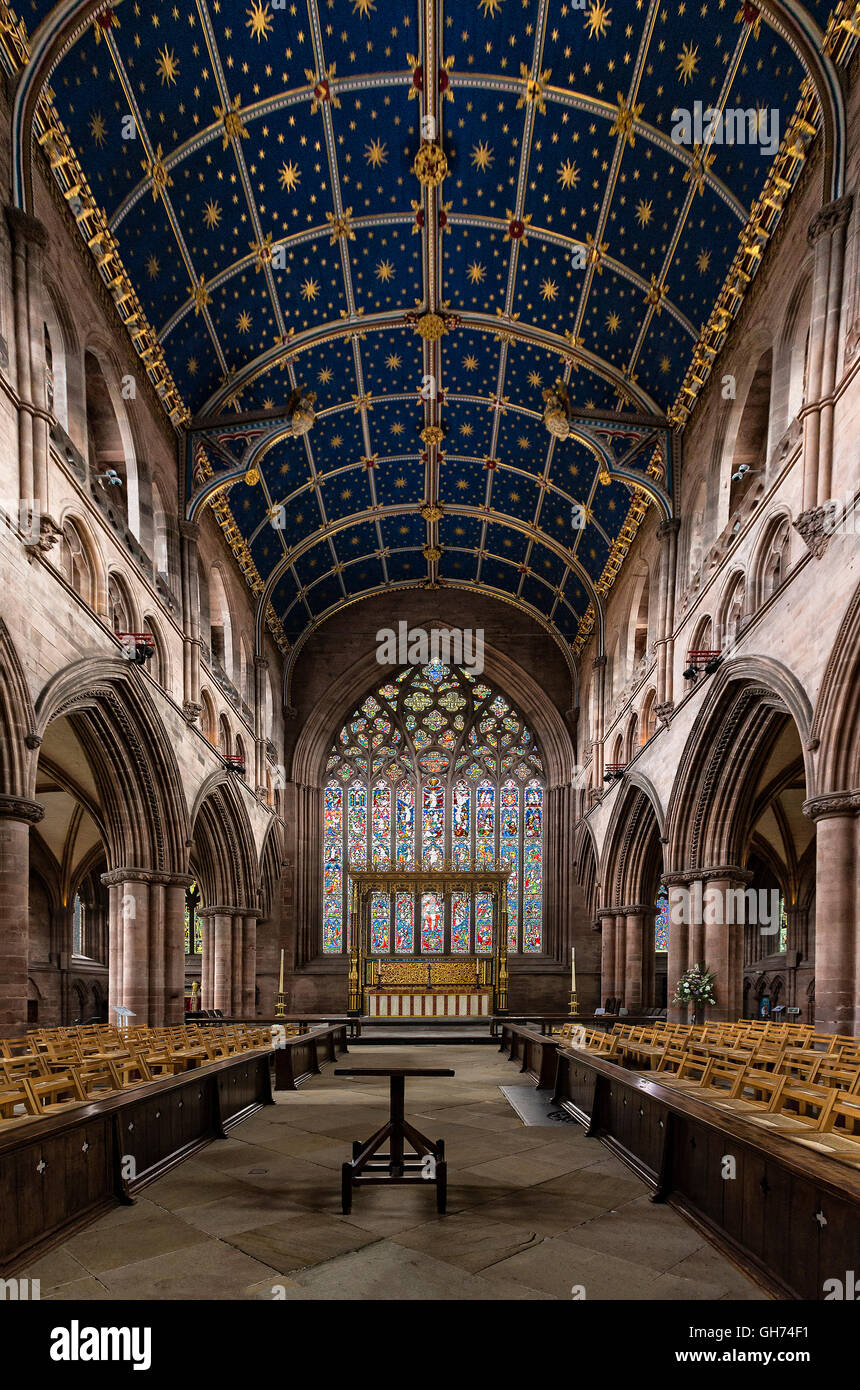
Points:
225	866
754	722
139	805
631	870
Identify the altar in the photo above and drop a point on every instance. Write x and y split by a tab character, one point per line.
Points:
428	943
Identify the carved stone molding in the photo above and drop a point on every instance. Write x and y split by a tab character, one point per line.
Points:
599	662
828	218
816	527
26	229
633	909
189	530
134	875
19	808
665	710
227	911
687	876
832	804
670	527
49	534
192	710
33	740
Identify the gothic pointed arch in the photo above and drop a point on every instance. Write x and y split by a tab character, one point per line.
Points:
223	856
750	702
128	749
17	721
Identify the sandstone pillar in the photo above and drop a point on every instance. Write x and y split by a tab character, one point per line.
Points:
636	945
599	666
827	237
249	966
667	533
16	816
189	533
620	955
837	902
607	955
147	947
679	940
261	667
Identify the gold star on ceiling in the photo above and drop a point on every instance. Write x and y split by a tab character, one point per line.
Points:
98	129
259	20
243	322
597	20
153	268
548	289
688	62
167	66
289	176
490	8
482	156
375	154
212	214
568	174
476	273
310	289
385	271
643	212
363	7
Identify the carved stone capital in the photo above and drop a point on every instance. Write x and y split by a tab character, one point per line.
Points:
832	804
636	909
261	663
25	229
192	710
225	911
828	218
670	527
47	536
599	662
687	876
261	792
33	740
816	526
189	530
19	808
135	875
606	912
665	710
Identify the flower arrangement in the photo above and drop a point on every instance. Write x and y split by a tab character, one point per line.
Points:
695	988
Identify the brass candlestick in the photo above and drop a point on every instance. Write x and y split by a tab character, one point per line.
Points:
280	1002
574	1003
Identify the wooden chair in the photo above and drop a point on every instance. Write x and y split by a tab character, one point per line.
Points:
797	1106
56	1092
839	1134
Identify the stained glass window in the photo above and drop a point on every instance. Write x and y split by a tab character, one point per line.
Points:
509	842
533	867
783	926
381	824
661	921
379	924
461	937
433	823
333	906
483	922
431	924
461	830
435	767
193	929
485	827
404	910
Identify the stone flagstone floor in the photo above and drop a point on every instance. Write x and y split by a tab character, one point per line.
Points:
532	1212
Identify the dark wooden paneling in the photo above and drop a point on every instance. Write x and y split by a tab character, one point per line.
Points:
60	1172
790	1217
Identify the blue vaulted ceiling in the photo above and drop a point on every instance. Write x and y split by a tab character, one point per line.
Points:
268	215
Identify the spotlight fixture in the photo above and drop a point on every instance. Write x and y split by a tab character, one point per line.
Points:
744	471
236	761
614	772
701	661
111	477
138	647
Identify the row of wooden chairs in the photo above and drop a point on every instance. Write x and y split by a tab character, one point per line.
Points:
58	1068
787	1078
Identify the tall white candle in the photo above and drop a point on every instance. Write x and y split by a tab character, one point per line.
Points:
281	980
573	970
